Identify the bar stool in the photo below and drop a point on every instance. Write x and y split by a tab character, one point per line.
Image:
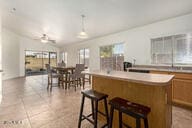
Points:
134	110
95	98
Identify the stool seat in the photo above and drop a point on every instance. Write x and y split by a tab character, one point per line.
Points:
130	107
94	94
134	110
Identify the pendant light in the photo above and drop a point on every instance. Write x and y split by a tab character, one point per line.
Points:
83	34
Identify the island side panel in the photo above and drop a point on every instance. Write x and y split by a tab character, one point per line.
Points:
155	97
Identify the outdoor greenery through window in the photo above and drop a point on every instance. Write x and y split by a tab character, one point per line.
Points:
172	50
84	56
112	57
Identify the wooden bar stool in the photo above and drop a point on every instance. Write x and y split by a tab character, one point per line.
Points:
95	98
134	110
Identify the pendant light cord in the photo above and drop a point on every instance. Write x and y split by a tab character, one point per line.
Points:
83	29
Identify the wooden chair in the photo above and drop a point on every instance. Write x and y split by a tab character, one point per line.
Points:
51	76
77	77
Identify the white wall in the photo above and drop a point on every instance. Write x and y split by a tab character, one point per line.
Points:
10	54
13	56
137	41
0	57
0	40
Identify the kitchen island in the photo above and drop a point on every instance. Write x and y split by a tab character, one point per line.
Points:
152	90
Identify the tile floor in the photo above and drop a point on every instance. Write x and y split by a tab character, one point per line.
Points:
27	104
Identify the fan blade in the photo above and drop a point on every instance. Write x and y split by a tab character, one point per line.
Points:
52	41
36	39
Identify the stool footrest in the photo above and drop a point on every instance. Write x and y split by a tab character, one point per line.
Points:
101	113
104	126
87	118
127	126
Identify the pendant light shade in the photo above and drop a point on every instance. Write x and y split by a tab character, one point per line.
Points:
82	34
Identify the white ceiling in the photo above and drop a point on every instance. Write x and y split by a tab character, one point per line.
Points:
61	19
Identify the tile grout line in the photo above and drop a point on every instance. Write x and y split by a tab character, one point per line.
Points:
26	113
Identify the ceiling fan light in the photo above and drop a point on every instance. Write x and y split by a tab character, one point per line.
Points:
44	41
82	35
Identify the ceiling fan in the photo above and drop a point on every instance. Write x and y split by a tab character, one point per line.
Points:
45	39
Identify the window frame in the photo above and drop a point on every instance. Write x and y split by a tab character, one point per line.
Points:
79	55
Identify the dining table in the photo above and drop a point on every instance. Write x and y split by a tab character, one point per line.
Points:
65	71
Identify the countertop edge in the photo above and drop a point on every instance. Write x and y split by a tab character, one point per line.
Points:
161	70
163	83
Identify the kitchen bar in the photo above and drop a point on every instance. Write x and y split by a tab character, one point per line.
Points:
152	90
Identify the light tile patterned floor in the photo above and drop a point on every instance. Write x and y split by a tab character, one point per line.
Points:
27	100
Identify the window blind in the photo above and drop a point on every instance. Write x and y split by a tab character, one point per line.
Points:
172	50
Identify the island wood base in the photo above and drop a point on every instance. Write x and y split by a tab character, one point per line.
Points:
157	97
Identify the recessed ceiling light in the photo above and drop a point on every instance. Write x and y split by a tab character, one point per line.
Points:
13	10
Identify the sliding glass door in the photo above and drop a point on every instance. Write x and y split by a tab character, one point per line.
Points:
35	62
53	58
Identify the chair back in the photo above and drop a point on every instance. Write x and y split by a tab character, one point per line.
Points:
61	64
48	67
78	69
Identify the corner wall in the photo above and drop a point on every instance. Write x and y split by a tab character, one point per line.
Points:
137	41
13	53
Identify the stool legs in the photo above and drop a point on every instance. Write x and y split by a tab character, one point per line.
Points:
111	117
95	113
146	123
92	105
138	123
120	119
81	112
106	111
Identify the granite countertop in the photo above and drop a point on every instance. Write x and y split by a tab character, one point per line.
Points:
143	78
161	69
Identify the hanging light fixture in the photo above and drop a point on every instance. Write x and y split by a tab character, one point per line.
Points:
83	34
44	38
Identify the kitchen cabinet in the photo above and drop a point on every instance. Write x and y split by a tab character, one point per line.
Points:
182	91
181	87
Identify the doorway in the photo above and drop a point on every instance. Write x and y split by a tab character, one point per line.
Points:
35	61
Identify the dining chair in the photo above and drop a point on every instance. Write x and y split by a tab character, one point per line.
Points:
61	64
52	75
77	77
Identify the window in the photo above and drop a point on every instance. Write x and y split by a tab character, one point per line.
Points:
182	53
162	50
84	56
172	50
112	57
64	57
53	59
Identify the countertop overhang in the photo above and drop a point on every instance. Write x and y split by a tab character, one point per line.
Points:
142	78
160	69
